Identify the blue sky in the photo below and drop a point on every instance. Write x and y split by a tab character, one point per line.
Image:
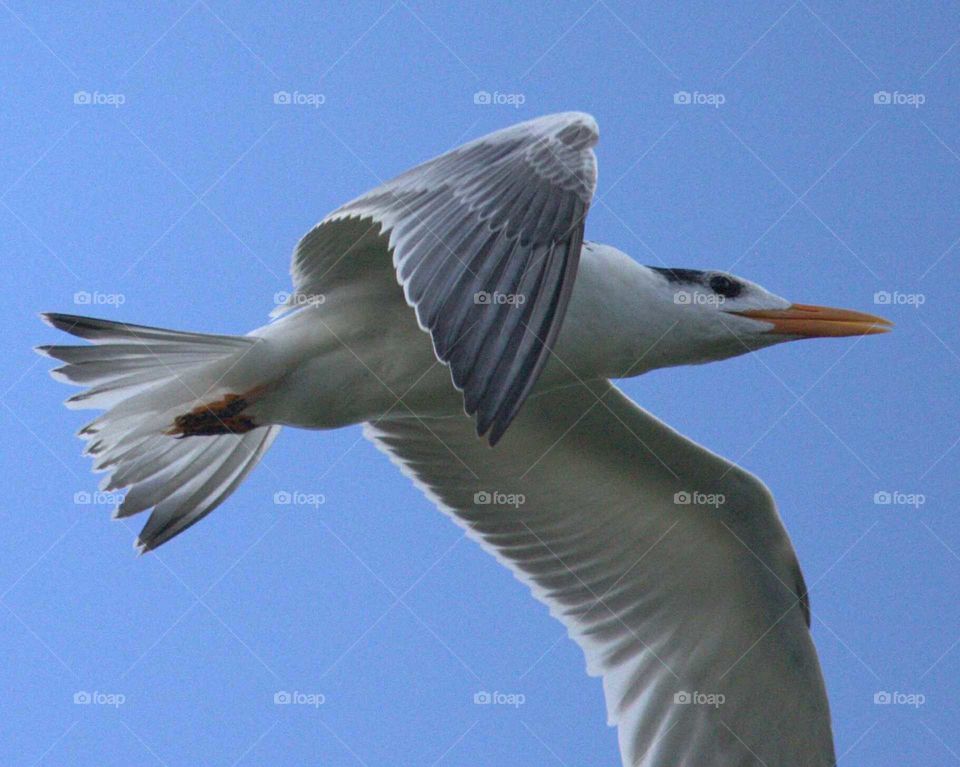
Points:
819	156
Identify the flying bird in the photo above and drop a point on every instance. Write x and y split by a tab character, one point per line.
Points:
459	315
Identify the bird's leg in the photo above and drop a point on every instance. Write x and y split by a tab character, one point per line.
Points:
223	416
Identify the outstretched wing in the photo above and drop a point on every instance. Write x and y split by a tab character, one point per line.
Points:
485	241
668	565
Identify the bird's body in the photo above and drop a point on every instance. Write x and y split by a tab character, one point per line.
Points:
350	357
465	285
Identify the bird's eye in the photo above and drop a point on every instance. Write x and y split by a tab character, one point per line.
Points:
724	286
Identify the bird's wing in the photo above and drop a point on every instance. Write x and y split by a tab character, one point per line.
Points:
485	241
668	565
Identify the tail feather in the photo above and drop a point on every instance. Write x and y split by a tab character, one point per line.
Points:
206	491
146	378
150	461
103	331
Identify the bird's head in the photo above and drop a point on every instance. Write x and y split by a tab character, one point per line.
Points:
714	315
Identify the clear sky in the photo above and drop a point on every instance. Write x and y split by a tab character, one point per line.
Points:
819	156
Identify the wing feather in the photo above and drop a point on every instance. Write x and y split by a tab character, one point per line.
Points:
691	613
485	241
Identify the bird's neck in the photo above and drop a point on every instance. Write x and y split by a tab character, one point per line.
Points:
616	326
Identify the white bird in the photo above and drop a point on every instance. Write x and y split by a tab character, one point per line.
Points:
465	285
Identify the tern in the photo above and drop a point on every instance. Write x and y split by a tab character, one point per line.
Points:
459	315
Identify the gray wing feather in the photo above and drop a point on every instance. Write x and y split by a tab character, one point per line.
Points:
486	241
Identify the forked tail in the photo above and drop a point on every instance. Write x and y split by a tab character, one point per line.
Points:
175	430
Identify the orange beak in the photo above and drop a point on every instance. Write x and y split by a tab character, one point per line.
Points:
818	321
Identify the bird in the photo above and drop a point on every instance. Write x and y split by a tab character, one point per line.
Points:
458	314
